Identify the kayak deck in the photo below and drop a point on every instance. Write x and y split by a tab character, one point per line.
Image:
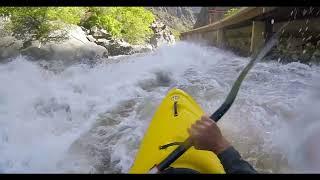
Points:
171	120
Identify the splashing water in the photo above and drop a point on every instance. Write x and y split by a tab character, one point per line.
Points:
91	119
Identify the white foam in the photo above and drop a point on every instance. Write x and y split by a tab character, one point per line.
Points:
37	130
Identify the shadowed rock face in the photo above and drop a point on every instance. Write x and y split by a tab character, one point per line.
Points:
202	18
179	18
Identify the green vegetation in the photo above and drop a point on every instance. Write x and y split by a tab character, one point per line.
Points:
130	23
231	11
38	23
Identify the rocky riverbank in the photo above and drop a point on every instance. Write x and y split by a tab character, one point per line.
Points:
296	50
81	44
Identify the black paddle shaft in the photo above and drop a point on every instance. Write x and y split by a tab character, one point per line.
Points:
227	103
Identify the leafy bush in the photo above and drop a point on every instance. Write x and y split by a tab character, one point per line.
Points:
37	23
70	15
130	23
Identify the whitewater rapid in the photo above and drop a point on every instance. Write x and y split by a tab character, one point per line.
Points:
90	119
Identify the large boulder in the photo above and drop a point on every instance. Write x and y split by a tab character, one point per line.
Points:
76	47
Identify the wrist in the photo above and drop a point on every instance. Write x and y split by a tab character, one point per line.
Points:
221	146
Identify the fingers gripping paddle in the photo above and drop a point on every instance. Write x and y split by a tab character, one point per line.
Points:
224	107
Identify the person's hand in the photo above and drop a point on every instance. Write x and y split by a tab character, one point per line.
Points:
206	135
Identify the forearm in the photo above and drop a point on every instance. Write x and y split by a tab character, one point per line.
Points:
233	163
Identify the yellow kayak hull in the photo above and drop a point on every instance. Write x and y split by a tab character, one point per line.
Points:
168	125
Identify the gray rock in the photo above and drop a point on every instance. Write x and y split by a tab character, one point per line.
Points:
103	42
91	38
104	31
36	53
94	29
119	47
142	48
99	33
9	48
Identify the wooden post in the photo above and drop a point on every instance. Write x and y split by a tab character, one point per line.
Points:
220	38
257	36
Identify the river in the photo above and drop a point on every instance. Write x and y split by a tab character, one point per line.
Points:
88	119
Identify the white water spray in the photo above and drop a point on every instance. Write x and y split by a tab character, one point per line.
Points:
89	120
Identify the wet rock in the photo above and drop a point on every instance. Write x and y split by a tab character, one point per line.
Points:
119	47
91	38
9	48
36	53
99	33
164	78
103	42
142	48
94	29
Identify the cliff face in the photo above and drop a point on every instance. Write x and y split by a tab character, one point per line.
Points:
178	18
202	18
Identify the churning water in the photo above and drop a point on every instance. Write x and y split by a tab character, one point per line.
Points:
91	119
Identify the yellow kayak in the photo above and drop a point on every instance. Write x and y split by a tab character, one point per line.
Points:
173	117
